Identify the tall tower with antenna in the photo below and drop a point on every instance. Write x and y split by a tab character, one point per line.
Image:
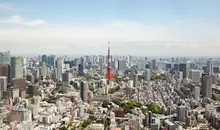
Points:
108	75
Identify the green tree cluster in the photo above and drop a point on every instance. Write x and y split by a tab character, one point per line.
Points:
105	104
128	106
28	96
112	90
49	100
156	77
88	121
63	128
91	88
154	108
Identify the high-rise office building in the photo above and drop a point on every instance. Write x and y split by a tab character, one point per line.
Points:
5	71
17	67
176	67
192	66
148	66
80	69
84	91
135	80
154	64
89	65
5	58
44	58
183	68
147	75
122	65
3	86
214	79
54	74
60	65
82	61
195	75
180	75
206	87
66	77
36	73
210	67
196	93
101	62
51	61
181	113
168	66
216	69
150	118
44	70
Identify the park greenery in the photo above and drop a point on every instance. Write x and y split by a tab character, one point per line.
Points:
128	106
154	76
88	121
28	96
63	128
92	89
91	119
50	99
112	90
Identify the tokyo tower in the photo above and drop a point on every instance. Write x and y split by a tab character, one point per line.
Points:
108	75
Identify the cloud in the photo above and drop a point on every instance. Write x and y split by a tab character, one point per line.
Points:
35	22
127	37
16	19
5	7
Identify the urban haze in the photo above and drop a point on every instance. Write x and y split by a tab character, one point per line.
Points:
109	65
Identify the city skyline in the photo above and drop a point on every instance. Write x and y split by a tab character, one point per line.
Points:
172	28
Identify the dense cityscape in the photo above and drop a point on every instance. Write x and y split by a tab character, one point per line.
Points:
47	92
109	65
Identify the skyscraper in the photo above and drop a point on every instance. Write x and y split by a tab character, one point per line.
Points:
44	58
154	64
60	65
197	93
101	60
183	68
180	75
210	67
84	91
176	66
89	65
17	67
207	86
135	80
66	77
51	61
181	113
195	75
3	86
122	65
80	69
5	71
147	75
5	58
44	70
82	61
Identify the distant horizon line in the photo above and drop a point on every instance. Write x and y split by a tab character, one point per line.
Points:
82	55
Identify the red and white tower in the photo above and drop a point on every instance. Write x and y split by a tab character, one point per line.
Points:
108	75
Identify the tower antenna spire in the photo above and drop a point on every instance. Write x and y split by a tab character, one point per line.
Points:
108	75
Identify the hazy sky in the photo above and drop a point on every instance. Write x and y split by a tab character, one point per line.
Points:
138	27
